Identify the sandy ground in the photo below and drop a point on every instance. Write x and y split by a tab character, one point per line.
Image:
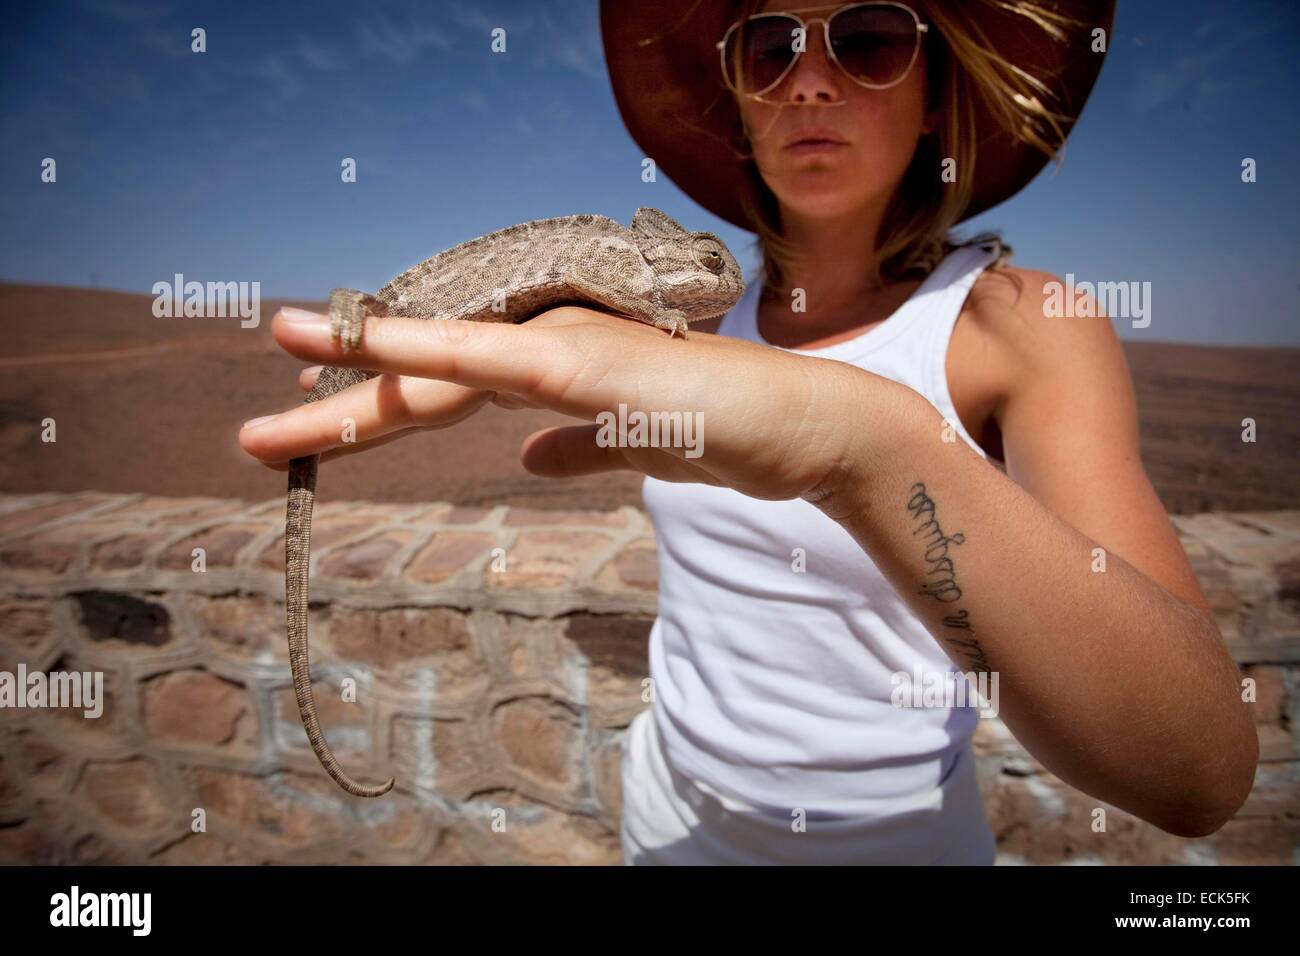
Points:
144	404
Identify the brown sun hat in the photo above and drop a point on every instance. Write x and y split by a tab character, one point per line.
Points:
664	67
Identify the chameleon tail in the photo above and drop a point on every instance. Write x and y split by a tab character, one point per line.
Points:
297	544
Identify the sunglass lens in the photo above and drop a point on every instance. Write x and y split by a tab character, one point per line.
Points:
874	44
759	51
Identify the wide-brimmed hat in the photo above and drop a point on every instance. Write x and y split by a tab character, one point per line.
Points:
664	67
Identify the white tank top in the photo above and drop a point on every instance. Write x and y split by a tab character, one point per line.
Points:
774	687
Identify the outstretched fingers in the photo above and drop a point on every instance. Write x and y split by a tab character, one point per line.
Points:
556	366
360	416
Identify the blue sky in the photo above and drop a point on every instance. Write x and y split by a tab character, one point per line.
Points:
225	166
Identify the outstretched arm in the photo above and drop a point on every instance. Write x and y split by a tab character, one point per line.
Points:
1117	681
1065	576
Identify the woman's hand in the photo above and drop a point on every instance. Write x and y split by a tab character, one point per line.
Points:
767	423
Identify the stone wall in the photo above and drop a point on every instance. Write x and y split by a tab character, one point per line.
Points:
496	691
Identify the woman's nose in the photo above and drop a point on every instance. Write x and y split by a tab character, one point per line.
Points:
813	78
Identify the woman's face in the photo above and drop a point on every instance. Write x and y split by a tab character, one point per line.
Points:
878	129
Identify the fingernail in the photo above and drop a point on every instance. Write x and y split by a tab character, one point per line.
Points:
301	315
254	422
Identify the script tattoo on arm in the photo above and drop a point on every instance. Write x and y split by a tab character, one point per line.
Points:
941	576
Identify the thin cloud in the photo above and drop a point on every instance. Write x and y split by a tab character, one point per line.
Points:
473	100
317	56
400	42
1197	77
278	81
480	21
572	40
128	11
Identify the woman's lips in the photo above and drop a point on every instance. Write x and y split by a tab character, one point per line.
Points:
815	146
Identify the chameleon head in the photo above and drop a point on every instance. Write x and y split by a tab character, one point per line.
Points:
712	285
695	271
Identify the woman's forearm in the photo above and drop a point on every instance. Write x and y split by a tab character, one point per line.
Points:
1114	684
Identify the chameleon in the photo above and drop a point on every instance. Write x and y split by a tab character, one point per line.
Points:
654	271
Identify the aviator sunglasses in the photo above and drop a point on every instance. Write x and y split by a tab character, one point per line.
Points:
875	44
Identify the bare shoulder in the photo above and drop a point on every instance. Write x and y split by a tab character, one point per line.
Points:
1066	415
1019	331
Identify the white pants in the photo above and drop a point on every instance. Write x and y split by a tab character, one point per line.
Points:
670	819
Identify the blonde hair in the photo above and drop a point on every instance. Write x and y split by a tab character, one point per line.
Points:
962	68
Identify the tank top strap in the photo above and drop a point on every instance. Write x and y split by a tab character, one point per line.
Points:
968	263
961	268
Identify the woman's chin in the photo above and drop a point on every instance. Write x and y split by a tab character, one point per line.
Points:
824	199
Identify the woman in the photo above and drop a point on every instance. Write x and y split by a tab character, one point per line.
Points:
911	467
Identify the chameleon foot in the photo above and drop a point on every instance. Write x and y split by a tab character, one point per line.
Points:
672	321
348	309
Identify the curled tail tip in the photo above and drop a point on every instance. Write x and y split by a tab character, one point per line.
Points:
361	790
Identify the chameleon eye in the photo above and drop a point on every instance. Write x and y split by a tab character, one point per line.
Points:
712	261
